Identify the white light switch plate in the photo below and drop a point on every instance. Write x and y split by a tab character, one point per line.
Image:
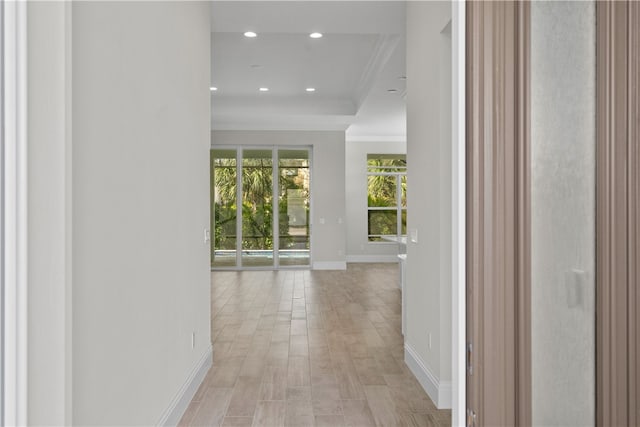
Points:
414	235
575	283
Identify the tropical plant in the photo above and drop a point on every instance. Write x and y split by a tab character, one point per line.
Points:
256	204
382	192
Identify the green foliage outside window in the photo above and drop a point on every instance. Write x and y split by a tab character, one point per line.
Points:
257	201
386	195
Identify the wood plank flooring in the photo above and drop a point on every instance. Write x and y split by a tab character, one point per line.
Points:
309	348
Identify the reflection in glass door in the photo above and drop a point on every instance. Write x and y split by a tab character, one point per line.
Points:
257	207
293	207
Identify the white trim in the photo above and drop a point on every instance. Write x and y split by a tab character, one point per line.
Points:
444	395
68	208
384	48
284	123
439	392
14	181
330	265
176	409
458	212
374	138
275	208
372	258
312	204
239	166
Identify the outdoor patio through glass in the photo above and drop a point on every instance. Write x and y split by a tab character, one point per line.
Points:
270	227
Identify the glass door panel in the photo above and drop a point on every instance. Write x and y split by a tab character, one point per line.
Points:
248	233
563	152
257	208
224	208
293	207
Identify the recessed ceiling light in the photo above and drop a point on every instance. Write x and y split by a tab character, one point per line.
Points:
213	88
264	89
402	78
310	89
315	35
392	90
250	34
255	66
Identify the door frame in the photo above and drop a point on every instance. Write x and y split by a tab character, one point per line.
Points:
618	213
239	150
458	211
14	214
498	219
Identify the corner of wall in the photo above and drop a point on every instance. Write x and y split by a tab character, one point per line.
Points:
438	391
180	402
428	274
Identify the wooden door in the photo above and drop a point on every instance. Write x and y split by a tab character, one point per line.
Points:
499	249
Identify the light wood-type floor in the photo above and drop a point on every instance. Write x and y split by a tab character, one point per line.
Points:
303	348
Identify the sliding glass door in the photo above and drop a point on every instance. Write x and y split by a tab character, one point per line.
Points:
260	207
223	209
257	208
294	235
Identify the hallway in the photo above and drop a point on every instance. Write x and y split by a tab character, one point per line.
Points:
304	348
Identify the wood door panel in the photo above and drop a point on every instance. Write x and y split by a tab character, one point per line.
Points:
618	212
497	216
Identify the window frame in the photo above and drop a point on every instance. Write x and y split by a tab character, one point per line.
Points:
398	172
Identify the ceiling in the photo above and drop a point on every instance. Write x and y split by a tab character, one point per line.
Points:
360	57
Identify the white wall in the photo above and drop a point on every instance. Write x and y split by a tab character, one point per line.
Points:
49	202
359	249
141	280
328	241
563	147
428	337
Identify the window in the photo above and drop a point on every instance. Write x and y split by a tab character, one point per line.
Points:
387	195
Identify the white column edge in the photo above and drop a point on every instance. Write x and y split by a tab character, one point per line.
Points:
458	208
15	214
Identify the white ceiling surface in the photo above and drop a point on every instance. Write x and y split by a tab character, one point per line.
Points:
360	57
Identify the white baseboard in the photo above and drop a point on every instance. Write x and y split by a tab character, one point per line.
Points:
372	258
330	265
439	392
179	404
445	395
